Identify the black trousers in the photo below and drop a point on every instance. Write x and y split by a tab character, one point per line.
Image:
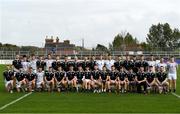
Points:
139	87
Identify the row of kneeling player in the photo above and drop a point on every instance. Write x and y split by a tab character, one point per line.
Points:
86	80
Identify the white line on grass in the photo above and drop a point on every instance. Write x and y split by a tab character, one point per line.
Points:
176	95
3	107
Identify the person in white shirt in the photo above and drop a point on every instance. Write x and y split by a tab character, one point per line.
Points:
109	62
161	64
33	63
40	79
152	63
100	63
49	62
25	63
172	73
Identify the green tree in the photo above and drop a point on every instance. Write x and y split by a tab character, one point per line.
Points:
100	47
124	42
162	37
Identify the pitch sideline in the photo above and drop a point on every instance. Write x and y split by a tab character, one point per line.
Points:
12	102
176	95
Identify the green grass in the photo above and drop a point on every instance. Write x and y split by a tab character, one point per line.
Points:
94	103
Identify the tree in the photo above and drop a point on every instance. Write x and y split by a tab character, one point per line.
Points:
110	47
100	47
145	46
118	42
162	37
125	42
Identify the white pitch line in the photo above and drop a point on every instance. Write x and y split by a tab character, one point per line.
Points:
3	107
176	95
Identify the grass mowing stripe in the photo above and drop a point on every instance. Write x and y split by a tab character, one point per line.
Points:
178	96
3	107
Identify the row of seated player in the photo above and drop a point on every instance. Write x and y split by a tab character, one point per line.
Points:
96	80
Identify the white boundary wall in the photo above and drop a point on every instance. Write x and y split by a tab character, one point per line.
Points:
6	61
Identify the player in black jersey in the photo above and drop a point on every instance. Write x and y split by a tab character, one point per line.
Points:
150	80
30	79
122	77
71	63
41	63
135	64
64	64
20	81
128	63
80	78
86	63
60	79
92	62
56	63
9	79
112	75
17	63
71	78
162	80
143	63
76	63
49	79
103	75
131	83
141	80
87	80
118	63
95	80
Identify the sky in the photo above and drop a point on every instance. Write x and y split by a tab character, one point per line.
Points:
28	22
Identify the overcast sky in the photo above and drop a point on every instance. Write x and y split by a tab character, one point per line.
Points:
27	22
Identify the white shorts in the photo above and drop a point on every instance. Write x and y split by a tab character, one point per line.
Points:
69	82
48	84
87	80
112	81
18	84
30	83
8	82
172	76
38	84
95	81
58	84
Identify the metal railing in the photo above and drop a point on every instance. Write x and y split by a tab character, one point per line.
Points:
81	54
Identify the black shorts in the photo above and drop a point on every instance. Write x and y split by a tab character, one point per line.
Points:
103	81
132	83
149	81
79	81
122	80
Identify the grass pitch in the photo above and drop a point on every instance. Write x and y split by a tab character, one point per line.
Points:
88	102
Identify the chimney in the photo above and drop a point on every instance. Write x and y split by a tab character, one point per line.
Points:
46	37
57	39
